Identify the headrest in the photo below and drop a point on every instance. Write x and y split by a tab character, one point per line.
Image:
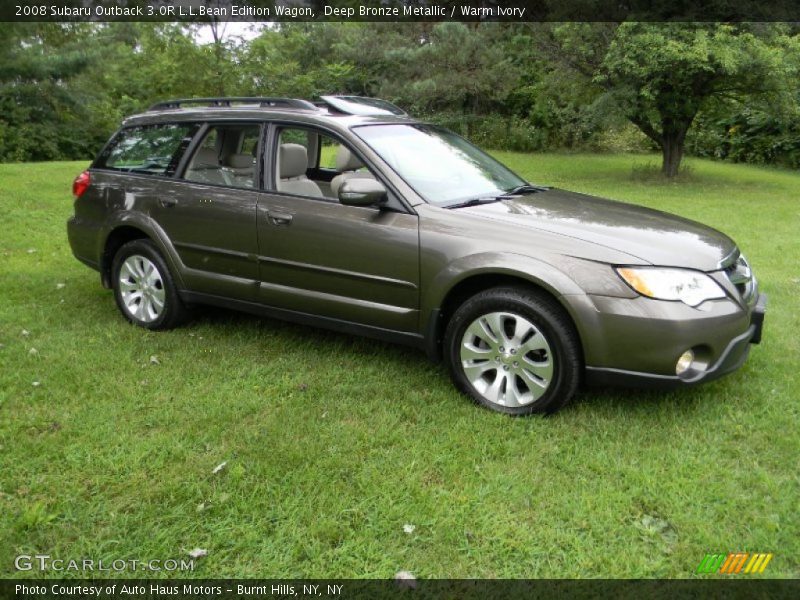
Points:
293	160
240	161
346	160
205	157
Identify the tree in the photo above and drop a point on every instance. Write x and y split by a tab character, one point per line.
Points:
64	87
453	69
37	105
219	49
660	75
145	62
310	59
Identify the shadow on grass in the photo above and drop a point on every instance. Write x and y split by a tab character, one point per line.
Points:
236	327
644	403
650	172
632	401
299	333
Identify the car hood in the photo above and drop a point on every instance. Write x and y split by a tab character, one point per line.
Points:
651	236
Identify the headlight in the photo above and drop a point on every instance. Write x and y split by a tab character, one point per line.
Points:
690	287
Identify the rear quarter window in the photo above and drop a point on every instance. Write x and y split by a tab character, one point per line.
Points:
151	149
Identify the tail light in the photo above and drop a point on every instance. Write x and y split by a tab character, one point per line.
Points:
81	184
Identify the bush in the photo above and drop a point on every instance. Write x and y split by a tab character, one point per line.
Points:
750	136
622	139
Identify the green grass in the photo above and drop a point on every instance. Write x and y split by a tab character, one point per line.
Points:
334	443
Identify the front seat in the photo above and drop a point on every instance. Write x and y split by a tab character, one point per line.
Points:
292	166
347	164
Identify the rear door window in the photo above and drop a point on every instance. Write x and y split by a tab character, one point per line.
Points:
151	149
227	155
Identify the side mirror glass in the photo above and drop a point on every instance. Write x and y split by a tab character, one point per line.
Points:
362	192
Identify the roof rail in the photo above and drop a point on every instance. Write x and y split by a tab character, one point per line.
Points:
228	102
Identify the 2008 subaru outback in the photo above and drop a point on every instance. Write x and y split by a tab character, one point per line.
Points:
348	214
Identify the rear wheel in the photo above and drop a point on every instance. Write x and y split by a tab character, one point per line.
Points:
143	287
514	350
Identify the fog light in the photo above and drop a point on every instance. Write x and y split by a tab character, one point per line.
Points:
684	362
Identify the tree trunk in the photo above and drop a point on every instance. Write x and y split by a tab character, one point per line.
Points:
218	32
671	153
672	143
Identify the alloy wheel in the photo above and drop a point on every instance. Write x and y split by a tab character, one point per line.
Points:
507	359
141	288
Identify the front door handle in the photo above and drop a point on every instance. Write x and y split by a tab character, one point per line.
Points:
167	202
279	218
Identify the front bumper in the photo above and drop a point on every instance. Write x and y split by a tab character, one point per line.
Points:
722	355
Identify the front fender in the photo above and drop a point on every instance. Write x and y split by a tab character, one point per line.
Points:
537	272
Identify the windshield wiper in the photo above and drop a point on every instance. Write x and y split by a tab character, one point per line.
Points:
476	201
525	188
504	195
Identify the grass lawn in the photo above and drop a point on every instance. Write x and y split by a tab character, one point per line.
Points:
333	444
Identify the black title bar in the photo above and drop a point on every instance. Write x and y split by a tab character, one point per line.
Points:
400	10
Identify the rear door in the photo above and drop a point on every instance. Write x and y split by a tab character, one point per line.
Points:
209	210
357	264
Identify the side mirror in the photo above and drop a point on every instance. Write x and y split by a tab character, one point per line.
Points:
362	192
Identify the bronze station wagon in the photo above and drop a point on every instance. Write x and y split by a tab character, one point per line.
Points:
349	214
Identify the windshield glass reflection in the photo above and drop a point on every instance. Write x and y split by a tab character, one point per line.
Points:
441	166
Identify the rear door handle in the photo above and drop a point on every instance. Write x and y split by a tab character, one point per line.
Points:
279	218
167	202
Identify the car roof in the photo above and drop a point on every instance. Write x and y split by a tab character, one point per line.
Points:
263	109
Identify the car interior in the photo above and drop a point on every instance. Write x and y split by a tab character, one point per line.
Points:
308	163
227	156
312	164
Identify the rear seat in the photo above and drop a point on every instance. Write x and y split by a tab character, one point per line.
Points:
242	168
205	168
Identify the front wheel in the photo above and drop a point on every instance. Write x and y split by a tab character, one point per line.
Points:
143	287
514	351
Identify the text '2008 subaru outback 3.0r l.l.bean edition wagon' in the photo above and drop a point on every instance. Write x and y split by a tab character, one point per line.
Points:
348	214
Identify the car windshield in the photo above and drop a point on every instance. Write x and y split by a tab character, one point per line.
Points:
441	166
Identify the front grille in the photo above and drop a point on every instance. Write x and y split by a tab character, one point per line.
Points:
737	270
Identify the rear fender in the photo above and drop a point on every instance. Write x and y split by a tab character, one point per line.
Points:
153	231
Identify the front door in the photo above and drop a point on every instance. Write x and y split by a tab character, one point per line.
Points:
317	256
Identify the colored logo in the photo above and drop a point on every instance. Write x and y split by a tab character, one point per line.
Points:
734	563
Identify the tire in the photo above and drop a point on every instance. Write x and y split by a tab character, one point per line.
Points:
514	350
144	290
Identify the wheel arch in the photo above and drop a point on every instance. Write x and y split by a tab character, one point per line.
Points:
116	238
131	227
534	275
